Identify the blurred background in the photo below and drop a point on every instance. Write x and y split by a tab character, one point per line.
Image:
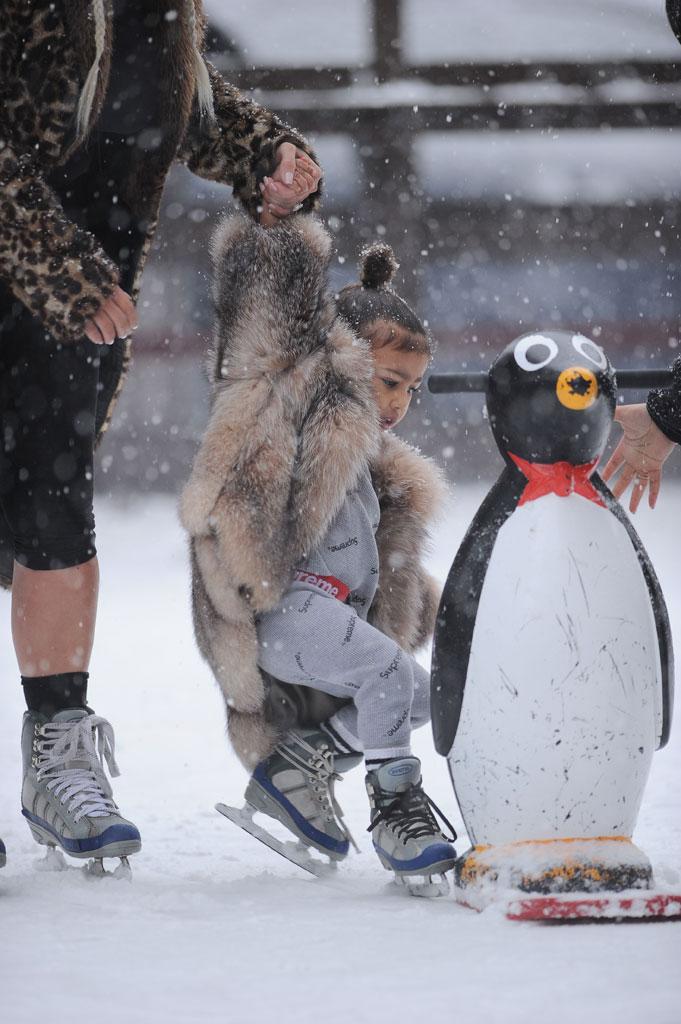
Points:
523	158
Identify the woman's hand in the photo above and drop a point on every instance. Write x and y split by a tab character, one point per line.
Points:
640	455
115	318
296	177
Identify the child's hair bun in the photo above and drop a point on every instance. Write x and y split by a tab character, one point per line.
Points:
378	265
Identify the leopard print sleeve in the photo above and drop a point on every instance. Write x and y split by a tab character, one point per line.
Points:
57	270
240	145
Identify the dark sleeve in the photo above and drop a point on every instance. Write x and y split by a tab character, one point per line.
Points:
57	270
664	405
238	147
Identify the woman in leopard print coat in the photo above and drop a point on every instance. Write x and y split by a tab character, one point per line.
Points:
99	99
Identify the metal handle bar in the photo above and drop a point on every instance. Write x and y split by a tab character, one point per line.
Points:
476	380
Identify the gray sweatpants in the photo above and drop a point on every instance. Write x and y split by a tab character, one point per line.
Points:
317	640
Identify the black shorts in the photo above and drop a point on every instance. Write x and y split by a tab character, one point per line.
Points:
49	391
48	398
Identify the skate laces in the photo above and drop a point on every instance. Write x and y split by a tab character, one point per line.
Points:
409	815
317	764
90	739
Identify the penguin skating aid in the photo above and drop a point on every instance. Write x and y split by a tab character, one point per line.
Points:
552	665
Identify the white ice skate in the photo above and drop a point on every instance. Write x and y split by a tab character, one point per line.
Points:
66	797
406	836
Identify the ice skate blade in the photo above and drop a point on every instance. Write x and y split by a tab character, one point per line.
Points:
295	852
95	869
429	887
614	907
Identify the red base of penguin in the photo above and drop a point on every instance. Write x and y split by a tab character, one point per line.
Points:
637	906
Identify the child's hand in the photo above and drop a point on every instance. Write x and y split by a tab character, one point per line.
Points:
297	176
640	454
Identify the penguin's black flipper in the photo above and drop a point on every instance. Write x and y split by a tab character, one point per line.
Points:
459	607
664	633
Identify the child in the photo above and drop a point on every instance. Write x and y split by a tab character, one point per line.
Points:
308	521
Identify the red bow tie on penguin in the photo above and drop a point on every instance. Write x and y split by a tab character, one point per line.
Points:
561	478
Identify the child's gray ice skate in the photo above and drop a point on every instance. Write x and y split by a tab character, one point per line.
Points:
406	836
66	797
296	787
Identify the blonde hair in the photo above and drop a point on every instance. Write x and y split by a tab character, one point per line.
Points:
203	87
87	97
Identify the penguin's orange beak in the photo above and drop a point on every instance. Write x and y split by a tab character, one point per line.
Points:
577	388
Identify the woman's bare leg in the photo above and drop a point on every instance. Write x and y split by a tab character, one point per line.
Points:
53	618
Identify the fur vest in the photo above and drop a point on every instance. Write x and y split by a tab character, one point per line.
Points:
58	271
293	424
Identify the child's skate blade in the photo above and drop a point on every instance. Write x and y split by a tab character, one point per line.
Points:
613	907
297	853
429	887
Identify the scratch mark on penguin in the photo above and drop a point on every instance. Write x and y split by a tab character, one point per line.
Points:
620	620
568	632
535	618
566	677
511	769
507	682
616	668
581	581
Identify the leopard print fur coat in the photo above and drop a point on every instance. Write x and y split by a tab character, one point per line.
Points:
58	271
292	426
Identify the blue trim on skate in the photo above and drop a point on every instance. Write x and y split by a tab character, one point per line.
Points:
113	834
337	845
433	855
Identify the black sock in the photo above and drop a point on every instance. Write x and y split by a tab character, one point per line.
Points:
49	694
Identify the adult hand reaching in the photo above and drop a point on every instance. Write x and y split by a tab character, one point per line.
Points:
296	177
640	455
115	318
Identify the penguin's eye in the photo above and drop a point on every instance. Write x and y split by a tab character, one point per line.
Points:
535	352
590	350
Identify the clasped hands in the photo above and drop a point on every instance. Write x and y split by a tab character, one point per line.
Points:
295	178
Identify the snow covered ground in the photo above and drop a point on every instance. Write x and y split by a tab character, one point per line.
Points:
215	927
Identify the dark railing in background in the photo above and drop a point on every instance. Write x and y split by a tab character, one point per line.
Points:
476	380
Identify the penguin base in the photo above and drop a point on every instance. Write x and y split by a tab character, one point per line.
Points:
550	867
